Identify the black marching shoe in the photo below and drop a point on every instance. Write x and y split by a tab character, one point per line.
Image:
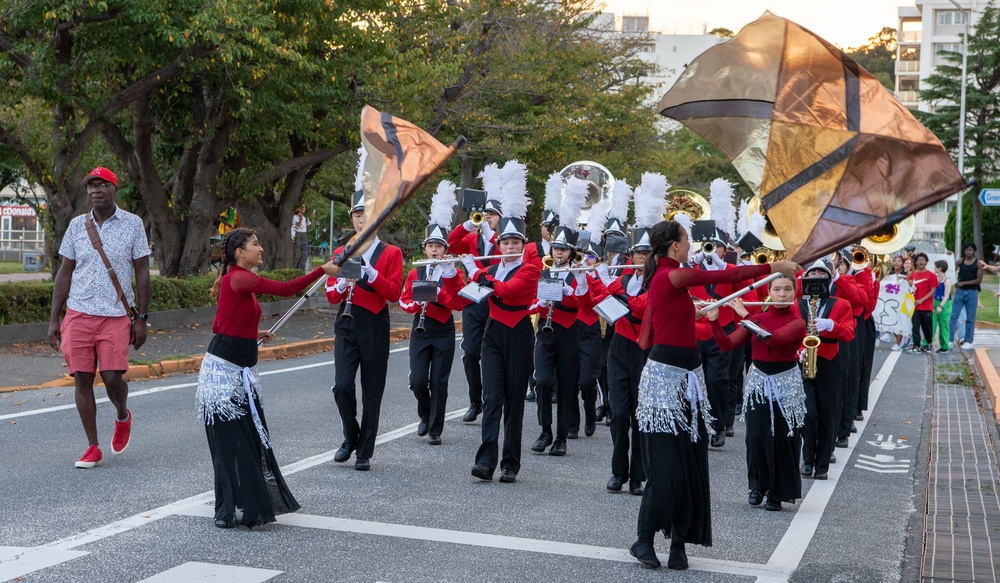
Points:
718	440
807	470
615	484
772	505
472	413
362	464
422	428
220	523
854	428
544	440
344	453
482	472
859	416
820	475
730	431
842	442
635	488
755	498
678	559
833	458
589	428
530	397
601	412
645	553
558	448
434	440
573	433
508	477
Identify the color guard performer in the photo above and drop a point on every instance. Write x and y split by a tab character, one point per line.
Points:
432	336
674	415
507	339
361	338
479	240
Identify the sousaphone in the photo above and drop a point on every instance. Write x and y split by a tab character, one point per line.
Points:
768	237
687	201
600	184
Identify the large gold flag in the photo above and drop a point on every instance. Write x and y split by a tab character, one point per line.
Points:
831	153
400	157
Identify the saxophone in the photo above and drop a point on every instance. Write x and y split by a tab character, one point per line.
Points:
811	341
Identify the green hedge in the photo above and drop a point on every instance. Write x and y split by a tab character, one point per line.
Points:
27	302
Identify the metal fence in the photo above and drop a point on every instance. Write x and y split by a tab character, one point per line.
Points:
27	247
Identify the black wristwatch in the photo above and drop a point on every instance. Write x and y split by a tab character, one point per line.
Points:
144	316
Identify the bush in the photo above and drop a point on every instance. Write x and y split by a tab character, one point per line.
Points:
27	302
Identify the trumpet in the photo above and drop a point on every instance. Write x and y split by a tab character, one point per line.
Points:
708	247
548	261
477	218
423	262
860	255
811	342
762	255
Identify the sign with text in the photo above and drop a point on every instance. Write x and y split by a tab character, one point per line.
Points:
990	197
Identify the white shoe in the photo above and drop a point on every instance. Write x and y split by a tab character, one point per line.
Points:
895	348
968	346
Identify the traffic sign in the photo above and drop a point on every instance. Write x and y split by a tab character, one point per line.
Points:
990	197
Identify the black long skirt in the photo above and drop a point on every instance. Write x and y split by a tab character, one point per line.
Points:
772	456
249	488
676	499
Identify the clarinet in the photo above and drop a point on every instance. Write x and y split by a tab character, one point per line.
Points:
346	314
547	327
423	316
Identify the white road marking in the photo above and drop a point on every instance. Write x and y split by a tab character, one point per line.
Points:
193	572
792	547
19	561
459	537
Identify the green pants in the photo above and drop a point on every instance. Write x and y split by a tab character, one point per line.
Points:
940	324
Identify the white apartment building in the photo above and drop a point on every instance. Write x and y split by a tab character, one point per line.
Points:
925	29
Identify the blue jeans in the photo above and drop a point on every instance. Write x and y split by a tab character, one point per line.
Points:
967	299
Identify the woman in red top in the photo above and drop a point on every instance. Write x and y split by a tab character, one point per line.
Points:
774	400
249	488
673	411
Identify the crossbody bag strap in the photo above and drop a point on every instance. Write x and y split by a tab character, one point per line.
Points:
95	240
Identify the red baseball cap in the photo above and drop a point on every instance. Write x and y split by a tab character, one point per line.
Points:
102	173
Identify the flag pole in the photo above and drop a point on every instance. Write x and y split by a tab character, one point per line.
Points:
741	292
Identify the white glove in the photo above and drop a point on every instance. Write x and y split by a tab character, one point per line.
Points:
470	264
568	289
341	286
543	303
370	272
487	231
699	257
581	284
448	269
824	324
604	274
469	226
713	262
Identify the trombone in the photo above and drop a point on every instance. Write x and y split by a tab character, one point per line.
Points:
423	262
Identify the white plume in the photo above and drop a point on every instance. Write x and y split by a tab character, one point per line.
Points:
756	224
360	174
514	189
650	199
553	192
721	205
686	221
443	204
598	220
620	197
492	181
741	220
572	202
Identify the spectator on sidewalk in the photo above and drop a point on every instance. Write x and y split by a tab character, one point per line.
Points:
924	283
970	276
98	328
300	228
942	306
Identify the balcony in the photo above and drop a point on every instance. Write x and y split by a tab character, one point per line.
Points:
907	66
908	95
910	36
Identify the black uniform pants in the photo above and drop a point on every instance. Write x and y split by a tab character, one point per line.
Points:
361	341
474	319
852	378
716	365
591	350
625	363
431	354
735	402
823	405
604	379
557	360
867	359
507	361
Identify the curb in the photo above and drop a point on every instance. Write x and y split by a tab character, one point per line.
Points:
991	379
186	365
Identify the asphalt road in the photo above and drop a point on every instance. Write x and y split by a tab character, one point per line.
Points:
419	515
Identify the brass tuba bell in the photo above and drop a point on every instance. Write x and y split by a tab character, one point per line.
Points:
687	201
601	183
769	237
890	238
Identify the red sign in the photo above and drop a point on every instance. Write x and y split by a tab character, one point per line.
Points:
17	211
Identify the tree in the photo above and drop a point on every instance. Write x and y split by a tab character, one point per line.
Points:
878	56
990	230
982	122
722	32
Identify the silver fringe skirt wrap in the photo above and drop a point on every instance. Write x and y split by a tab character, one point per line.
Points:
666	395
784	388
226	392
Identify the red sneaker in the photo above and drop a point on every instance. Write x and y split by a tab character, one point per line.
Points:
123	434
91	458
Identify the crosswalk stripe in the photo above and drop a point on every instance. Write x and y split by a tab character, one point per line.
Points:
192	572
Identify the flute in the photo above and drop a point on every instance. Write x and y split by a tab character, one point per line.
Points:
423	262
593	267
707	303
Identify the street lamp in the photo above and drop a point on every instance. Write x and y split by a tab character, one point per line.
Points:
961	130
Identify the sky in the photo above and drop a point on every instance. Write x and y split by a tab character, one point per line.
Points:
845	23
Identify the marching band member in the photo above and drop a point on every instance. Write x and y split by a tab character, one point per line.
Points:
432	336
557	343
865	278
835	323
774	405
851	290
507	338
616	249
362	339
467	239
625	362
533	252
673	413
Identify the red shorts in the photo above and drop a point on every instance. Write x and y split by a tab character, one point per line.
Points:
91	340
